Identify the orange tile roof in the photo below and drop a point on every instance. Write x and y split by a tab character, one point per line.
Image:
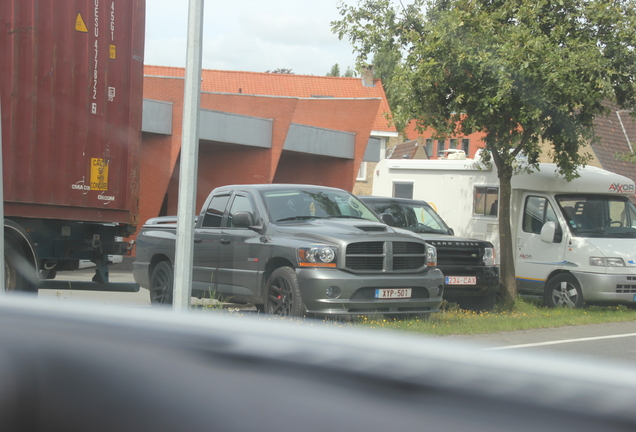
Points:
271	84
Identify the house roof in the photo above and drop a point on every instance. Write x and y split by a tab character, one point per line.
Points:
617	134
273	84
405	150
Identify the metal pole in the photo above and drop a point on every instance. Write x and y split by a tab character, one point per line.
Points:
189	160
2	275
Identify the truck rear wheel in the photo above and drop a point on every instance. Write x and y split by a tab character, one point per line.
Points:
563	290
19	272
283	294
161	284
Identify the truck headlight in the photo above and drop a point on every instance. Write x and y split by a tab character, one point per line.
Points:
489	256
317	256
607	262
431	255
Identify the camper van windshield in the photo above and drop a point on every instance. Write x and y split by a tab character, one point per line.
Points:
599	215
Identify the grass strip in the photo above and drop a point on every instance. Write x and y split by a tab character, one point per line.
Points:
526	315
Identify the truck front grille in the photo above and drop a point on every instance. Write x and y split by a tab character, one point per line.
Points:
625	289
385	256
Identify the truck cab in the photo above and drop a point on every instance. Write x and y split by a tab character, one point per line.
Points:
575	243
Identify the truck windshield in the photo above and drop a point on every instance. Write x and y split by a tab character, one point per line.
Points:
599	215
289	205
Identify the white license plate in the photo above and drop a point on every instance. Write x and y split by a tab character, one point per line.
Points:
461	280
390	293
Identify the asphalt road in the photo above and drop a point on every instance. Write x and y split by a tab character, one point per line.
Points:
138	299
611	341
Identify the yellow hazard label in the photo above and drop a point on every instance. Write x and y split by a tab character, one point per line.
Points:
112	51
99	174
80	26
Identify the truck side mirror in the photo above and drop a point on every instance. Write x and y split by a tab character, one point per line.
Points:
387	219
243	219
548	231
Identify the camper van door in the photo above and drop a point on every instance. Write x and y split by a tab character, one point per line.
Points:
536	258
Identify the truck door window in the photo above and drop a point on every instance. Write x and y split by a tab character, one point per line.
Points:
214	213
485	201
537	212
240	203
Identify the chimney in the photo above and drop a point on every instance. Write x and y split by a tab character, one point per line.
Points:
367	76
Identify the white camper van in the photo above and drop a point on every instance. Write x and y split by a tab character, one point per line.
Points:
574	242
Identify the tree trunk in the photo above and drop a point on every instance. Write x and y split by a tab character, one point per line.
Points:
508	281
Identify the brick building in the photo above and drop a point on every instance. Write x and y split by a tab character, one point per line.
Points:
436	148
260	128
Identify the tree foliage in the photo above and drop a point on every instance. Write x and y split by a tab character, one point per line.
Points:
335	71
280	71
523	72
386	60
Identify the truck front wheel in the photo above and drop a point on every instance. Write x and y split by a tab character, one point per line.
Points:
563	290
283	294
161	281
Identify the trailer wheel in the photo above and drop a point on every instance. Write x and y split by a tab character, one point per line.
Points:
161	284
19	272
563	290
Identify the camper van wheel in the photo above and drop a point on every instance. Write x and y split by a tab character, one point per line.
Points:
563	290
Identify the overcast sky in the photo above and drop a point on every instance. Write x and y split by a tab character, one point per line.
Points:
250	35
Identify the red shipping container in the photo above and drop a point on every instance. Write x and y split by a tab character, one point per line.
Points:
71	75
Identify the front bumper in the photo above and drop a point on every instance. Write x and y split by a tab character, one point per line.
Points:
487	282
357	292
607	288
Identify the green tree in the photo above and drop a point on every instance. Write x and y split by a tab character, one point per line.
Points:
386	60
335	71
280	71
349	73
521	71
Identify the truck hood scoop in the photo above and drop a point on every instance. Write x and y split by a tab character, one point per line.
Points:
372	228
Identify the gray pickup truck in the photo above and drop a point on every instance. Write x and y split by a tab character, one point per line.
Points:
295	250
471	276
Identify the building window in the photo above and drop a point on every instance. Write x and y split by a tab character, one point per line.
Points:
362	172
465	145
440	148
403	190
429	147
485	201
453	143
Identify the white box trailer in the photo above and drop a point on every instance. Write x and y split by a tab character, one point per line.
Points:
574	242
